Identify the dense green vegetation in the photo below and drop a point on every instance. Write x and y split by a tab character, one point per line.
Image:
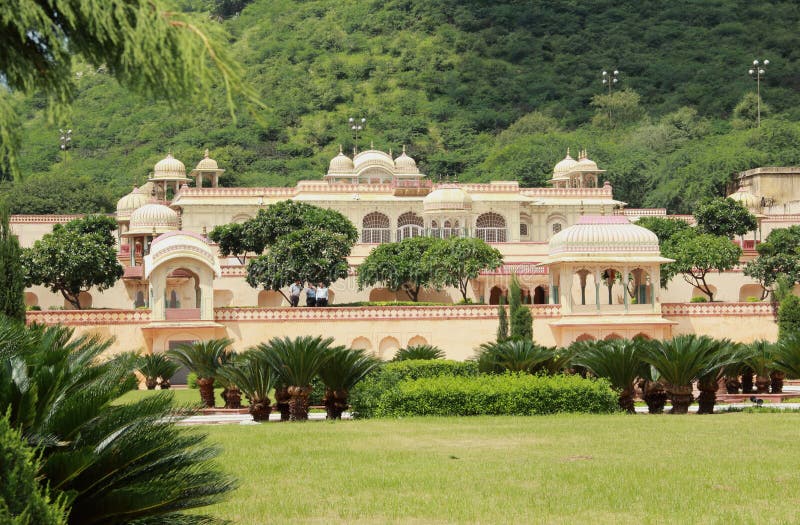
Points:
478	90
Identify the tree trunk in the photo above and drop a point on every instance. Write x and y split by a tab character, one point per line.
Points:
655	396
747	381
681	398
260	410
776	378
708	396
72	299
233	397
298	404
206	387
762	384
165	384
335	402
150	382
282	402
626	400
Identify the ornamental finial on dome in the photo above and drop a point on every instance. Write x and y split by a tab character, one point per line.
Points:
340	150
205	153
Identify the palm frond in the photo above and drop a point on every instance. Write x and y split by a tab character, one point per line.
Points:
346	367
419	352
202	357
296	361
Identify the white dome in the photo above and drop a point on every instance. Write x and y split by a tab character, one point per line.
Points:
373	157
566	165
604	234
153	217
341	163
746	199
130	202
405	164
169	168
447	197
207	164
585	163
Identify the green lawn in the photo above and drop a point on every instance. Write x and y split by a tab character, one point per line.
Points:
183	396
726	469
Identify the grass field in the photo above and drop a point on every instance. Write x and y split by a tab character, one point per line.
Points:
725	469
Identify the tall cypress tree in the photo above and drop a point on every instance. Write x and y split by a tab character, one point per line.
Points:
519	314
502	328
12	283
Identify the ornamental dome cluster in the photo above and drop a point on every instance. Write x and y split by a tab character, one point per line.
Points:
366	165
581	173
132	201
447	197
153	217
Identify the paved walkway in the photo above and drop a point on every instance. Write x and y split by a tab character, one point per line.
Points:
244	419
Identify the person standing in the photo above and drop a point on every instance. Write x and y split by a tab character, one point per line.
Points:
322	295
294	292
311	295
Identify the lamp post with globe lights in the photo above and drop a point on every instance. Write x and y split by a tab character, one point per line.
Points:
610	79
757	72
356	125
66	142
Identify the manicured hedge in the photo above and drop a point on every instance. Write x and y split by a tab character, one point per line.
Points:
366	395
509	394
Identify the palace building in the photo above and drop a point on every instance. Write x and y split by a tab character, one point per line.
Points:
586	269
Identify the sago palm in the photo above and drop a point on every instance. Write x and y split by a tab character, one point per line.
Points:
126	463
515	355
680	361
345	368
154	367
619	361
426	352
759	357
724	355
255	378
296	362
204	359
787	356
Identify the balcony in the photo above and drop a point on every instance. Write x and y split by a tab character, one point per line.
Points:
182	314
412	187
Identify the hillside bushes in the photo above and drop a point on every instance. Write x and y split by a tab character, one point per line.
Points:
509	394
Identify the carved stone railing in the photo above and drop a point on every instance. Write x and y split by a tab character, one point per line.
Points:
42	219
604	191
508	186
89	317
717	309
526	268
369	313
642	212
237	192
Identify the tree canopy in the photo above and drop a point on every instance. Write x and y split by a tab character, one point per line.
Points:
663	228
457	260
399	266
696	254
725	217
778	254
12	275
74	258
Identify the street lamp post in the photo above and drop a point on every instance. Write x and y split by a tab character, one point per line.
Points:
66	142
757	72
356	125
610	79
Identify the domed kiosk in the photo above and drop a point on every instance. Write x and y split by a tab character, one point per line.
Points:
448	210
605	272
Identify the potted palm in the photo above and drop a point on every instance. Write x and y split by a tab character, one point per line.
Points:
154	367
343	370
680	361
619	361
204	358
253	376
296	362
725	354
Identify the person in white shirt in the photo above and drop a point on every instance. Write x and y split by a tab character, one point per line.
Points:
294	292
322	295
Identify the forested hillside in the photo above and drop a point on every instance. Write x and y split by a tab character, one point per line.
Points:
478	90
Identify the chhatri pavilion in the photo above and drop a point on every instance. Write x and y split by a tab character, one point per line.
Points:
586	269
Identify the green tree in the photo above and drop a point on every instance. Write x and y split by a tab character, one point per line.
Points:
117	463
697	254
458	260
789	317
12	275
520	315
778	254
312	255
502	320
74	258
204	358
724	217
745	114
664	228
344	369
144	45
619	361
22	500
399	266
617	109
231	240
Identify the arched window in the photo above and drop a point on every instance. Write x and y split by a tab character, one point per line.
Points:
523	230
556	227
491	227
375	228
409	224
